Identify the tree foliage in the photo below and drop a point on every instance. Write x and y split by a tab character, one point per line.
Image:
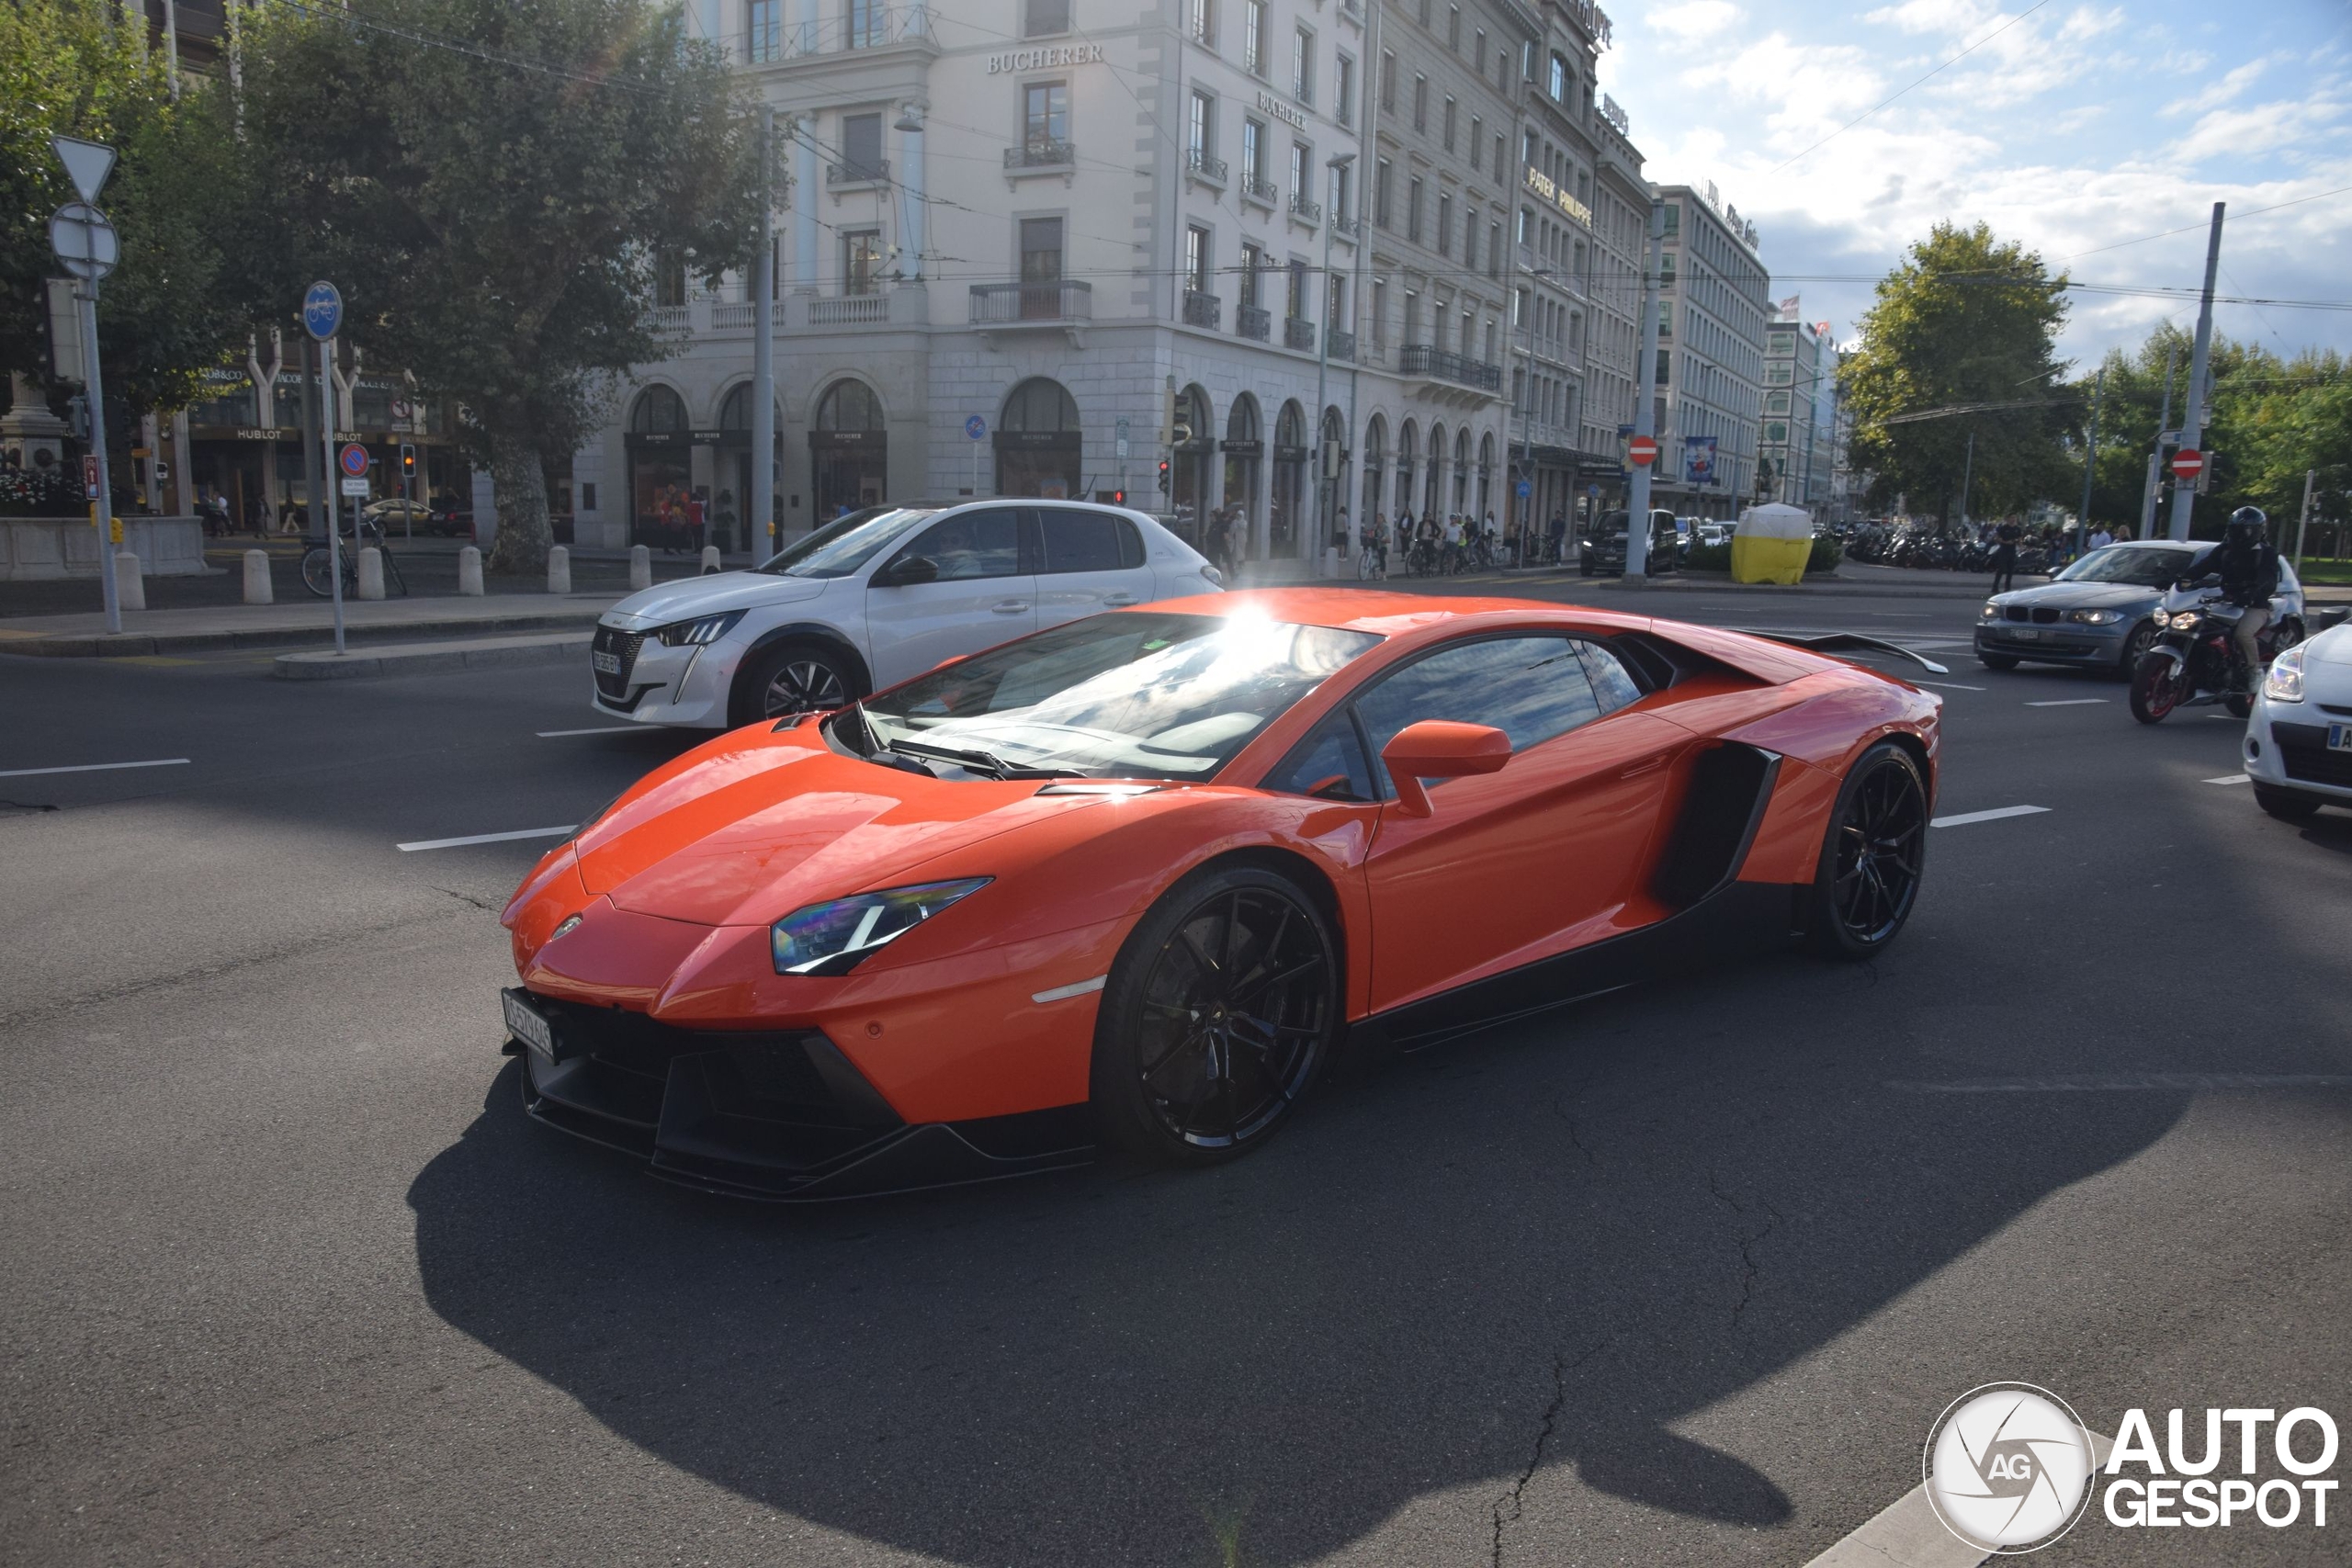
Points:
171	309
489	182
1965	332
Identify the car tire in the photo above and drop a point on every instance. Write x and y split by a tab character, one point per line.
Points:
2287	804
792	678
1221	1011
1996	660
2136	644
1873	856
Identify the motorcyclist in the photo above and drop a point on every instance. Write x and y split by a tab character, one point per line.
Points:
2248	568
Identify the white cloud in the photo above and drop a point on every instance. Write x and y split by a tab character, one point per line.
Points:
1695	19
2217	92
2260	128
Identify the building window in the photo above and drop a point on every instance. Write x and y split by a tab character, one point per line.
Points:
1444	225
1343	193
1478	54
1253	262
1470	238
861	261
1379	314
1413	209
1302	160
1421	104
1664	360
1383	178
1205	22
1559	82
1196	258
670	278
1045	119
1302	66
1199	131
1447	122
1666	270
1042	18
1387	82
1478	141
1412	317
861	147
869	24
1453	28
1673	219
1344	90
1040	250
1500	177
1494	250
1254	37
1253	152
764	30
1294	305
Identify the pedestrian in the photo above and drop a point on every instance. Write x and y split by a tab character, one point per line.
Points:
1219	540
697	511
1557	542
2005	557
2101	538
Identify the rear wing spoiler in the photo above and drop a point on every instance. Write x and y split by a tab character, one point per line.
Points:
1835	642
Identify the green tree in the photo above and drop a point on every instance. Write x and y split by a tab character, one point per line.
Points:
490	185
1962	340
169	311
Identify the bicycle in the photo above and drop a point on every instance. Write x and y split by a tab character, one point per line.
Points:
1372	562
317	565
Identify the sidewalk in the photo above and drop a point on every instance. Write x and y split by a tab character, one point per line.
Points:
290	625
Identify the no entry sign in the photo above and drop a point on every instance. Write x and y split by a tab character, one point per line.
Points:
1642	451
2188	463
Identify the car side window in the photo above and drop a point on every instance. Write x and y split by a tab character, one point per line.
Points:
970	545
1330	763
1532	688
1083	541
1612	684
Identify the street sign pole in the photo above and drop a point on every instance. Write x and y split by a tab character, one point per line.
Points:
2192	422
321	316
86	298
2090	456
1637	509
761	501
86	245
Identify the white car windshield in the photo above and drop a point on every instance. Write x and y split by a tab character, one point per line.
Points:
845	544
1138	694
2141	566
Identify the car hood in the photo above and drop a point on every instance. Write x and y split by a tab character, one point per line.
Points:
2333	646
667	602
2083	596
743	833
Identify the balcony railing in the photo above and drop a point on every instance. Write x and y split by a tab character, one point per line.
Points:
1427	359
858	172
1252	322
1343	345
1257	189
1202	310
671	318
1298	333
1346	227
1197	160
867	26
849	309
1041	152
1306	210
998	304
729	313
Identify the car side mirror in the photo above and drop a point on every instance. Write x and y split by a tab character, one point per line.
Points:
1439	748
906	572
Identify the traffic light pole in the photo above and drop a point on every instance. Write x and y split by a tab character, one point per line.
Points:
2192	419
85	299
1637	508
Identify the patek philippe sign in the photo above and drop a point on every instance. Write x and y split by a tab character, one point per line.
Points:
1046	58
1549	189
1289	114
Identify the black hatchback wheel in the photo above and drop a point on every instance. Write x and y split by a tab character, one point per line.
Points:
1876	852
1219	1014
795	678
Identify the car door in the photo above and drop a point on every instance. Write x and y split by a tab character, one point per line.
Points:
1526	863
1088	562
981	596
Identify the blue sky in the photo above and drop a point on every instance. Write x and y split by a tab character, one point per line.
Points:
2080	125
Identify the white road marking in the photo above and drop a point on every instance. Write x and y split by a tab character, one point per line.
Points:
1949	685
2226	718
1063	993
1907	1533
2230	778
603	729
485	839
1965	817
2067	703
2099	1083
96	767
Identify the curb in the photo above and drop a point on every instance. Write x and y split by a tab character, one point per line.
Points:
132	644
484	653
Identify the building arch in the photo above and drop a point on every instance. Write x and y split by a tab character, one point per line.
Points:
1375	462
658	441
1244	449
1407	455
1432	482
1189	471
1287	511
1040	442
849	449
1330	478
1486	474
1461	469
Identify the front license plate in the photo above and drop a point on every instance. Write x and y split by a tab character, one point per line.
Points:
2339	737
2026	634
606	664
526	1025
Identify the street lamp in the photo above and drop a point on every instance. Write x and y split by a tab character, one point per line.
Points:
1524	509
1323	368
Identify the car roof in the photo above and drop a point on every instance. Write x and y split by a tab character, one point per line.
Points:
1383	613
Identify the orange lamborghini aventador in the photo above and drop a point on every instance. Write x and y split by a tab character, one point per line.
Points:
1137	879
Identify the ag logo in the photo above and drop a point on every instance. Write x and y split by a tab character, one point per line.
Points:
2008	1468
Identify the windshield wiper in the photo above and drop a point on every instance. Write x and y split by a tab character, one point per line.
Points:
977	761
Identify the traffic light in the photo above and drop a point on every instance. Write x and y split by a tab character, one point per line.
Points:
1163	476
408	463
1118	498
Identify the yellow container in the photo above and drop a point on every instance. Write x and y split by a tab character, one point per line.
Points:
1769	560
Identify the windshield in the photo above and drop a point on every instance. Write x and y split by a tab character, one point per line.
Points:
2141	566
1138	694
842	546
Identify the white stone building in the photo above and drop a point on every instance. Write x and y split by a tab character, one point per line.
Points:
1048	216
1713	305
1797	361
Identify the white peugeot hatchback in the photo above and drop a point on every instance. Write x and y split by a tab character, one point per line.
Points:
872	598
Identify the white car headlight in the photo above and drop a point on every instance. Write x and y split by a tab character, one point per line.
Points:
833	937
2285	682
1989	612
2095	617
698	632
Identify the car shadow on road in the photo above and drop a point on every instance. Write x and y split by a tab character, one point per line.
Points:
1547	1245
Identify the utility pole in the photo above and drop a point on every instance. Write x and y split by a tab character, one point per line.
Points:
761	500
1967	481
2156	454
2303	518
2192	425
1368	100
2090	459
1637	509
1327	457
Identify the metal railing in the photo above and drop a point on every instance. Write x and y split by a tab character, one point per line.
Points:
864	26
1257	187
671	318
1041	152
1253	322
1427	359
1346	226
729	313
1202	310
849	309
1306	209
1298	333
1198	161
857	172
1343	345
995	304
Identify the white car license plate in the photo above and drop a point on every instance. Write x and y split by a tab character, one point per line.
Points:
2339	737
527	1026
2025	634
606	664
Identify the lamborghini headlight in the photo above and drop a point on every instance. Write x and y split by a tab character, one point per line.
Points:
699	632
2285	682
834	938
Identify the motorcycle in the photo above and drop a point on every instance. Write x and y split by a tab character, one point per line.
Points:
2194	660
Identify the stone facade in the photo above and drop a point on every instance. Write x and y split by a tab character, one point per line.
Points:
1711	349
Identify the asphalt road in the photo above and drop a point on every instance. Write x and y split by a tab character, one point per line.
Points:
1681	1276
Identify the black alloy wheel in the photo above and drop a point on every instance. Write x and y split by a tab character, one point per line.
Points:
1997	661
1222	1010
794	678
1875	856
2159	685
2135	647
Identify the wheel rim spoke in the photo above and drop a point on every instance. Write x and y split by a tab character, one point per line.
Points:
1233	1017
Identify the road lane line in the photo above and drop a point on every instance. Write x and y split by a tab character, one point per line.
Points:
1965	817
2108	1083
96	767
1908	1534
1949	685
2067	703
603	729
2231	779
486	839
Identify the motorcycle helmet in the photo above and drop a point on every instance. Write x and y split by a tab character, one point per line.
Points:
2249	520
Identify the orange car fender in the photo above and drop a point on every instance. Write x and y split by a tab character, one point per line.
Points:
1840	717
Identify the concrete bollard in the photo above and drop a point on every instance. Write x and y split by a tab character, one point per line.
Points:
641	567
372	573
710	557
257	587
469	571
558	570
129	588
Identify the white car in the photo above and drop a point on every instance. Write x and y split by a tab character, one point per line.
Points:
2299	738
872	598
